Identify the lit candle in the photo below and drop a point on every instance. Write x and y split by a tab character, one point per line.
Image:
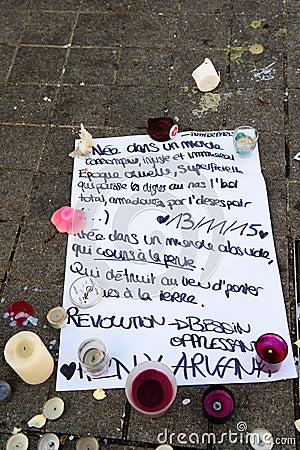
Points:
206	76
87	443
57	317
28	356
271	351
218	403
94	357
151	388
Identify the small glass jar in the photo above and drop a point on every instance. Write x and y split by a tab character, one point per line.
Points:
94	357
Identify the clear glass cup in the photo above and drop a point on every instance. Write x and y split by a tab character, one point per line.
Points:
245	140
94	357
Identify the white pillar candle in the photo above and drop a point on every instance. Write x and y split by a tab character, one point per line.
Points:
206	76
28	356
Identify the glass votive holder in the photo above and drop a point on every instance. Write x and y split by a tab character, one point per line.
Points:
94	357
245	140
151	388
271	351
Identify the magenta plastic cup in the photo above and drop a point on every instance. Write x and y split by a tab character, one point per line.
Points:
151	388
271	351
218	403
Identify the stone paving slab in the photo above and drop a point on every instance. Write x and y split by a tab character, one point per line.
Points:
110	65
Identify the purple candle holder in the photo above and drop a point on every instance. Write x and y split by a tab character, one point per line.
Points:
271	351
218	403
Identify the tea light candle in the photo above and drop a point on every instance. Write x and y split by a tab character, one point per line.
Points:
18	441
5	391
218	403
57	317
94	357
271	351
87	443
48	442
261	439
206	76
53	408
151	388
28	356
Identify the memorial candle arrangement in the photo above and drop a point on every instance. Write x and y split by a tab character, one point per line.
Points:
271	351
28	356
151	388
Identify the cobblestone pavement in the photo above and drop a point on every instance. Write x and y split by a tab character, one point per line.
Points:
111	64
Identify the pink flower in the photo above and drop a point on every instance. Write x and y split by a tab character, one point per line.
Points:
68	220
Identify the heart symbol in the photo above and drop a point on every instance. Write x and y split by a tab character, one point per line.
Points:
162	219
263	234
68	370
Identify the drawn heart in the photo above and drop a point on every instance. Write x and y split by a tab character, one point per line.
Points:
68	370
162	219
263	234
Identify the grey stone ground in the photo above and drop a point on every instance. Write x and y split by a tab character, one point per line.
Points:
111	65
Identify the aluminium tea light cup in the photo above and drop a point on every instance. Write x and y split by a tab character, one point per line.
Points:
18	441
245	140
85	292
29	357
218	403
48	442
151	388
57	317
271	351
87	443
94	357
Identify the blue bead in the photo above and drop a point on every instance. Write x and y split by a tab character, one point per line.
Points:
239	136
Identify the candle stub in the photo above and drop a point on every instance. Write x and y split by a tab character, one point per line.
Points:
53	408
17	442
206	76
87	443
57	317
28	356
48	442
84	292
5	391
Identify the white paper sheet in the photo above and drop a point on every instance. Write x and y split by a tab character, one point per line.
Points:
178	234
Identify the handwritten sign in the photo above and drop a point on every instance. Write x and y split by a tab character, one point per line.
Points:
178	235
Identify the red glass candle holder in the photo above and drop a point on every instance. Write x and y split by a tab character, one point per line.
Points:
218	403
162	129
151	388
271	351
